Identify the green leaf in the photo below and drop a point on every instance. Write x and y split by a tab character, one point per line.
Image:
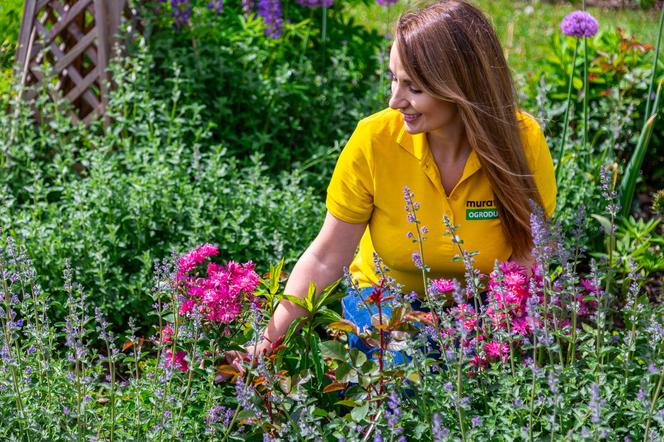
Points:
275	274
316	356
295	325
604	221
346	373
334	350
359	413
320	412
310	298
298	301
358	357
346	403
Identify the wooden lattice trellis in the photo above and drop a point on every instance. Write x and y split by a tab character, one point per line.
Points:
76	38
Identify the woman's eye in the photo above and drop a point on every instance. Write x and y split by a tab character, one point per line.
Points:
415	91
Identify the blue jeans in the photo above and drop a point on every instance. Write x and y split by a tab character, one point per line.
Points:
359	313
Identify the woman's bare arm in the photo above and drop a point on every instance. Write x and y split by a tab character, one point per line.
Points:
322	263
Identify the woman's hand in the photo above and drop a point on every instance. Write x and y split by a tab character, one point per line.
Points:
322	263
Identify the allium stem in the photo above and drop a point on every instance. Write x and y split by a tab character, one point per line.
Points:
654	69
563	137
586	92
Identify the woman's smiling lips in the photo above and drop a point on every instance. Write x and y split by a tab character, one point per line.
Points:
409	118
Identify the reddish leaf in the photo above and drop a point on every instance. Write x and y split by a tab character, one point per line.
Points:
334	386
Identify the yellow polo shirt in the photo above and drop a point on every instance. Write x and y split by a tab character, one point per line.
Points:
381	158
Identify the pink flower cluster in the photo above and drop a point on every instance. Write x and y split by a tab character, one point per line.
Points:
220	293
508	291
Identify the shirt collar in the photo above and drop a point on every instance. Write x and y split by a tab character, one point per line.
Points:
418	146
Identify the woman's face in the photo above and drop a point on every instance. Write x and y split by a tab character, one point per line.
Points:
421	112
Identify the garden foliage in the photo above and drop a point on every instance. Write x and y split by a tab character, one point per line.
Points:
113	201
220	120
295	98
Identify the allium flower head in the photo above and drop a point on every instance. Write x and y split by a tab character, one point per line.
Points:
579	24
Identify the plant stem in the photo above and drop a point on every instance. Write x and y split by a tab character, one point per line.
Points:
561	148
111	366
652	404
459	392
586	92
654	68
532	391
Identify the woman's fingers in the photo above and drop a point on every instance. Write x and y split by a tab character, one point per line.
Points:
234	360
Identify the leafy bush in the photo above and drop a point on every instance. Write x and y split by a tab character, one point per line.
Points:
114	201
10	21
294	99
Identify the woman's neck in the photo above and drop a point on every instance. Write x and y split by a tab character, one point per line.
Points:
449	144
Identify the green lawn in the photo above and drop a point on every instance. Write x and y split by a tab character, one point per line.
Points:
522	33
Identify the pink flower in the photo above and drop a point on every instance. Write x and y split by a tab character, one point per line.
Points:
222	294
442	286
496	350
511	267
166	334
589	286
520	326
478	362
187	306
194	258
178	361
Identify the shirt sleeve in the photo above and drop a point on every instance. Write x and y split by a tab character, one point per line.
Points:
541	164
351	190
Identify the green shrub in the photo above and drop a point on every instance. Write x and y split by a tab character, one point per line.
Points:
10	21
114	201
293	99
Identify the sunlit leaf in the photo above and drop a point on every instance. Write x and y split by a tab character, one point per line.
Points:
344	325
334	386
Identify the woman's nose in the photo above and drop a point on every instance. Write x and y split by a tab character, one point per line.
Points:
396	99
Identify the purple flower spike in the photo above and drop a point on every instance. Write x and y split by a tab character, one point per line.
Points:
216	6
270	10
579	24
315	3
386	3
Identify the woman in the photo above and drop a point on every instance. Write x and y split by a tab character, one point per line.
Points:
454	135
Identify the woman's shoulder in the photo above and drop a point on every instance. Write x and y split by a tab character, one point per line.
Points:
385	123
527	123
532	136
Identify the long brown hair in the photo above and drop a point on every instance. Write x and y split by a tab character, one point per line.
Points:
451	51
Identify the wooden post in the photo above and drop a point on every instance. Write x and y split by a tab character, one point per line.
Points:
75	39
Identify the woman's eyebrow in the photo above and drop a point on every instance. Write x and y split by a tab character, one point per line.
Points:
403	80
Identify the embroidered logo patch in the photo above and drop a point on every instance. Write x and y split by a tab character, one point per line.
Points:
481	214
